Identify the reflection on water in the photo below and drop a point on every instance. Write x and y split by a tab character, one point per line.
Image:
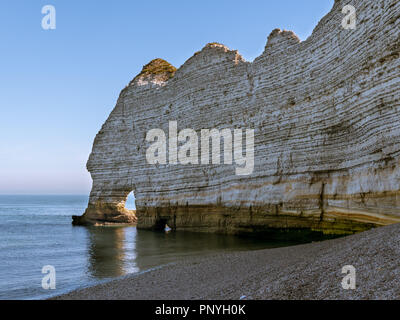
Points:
109	251
36	231
117	251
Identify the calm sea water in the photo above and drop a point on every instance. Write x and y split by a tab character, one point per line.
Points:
36	231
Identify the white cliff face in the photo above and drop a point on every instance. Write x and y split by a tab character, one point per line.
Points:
326	115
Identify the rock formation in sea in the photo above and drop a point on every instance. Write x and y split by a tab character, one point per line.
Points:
326	120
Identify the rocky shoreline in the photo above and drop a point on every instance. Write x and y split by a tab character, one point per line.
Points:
310	271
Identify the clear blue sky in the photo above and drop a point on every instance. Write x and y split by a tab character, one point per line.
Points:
58	86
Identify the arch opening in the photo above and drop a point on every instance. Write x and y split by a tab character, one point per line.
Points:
130	201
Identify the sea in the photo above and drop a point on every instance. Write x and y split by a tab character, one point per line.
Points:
36	232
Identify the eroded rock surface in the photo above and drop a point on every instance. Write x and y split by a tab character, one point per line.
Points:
326	115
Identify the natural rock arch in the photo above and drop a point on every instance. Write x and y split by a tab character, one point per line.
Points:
326	114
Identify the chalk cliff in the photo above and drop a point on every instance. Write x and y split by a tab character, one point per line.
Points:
326	115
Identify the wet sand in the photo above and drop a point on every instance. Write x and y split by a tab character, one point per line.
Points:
311	271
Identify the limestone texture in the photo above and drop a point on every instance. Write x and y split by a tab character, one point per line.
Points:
326	115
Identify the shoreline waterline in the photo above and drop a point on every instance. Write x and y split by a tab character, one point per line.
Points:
36	231
307	271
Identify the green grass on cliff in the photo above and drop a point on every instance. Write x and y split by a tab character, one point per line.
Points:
158	67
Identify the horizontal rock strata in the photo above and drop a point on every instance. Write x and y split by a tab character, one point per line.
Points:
326	117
